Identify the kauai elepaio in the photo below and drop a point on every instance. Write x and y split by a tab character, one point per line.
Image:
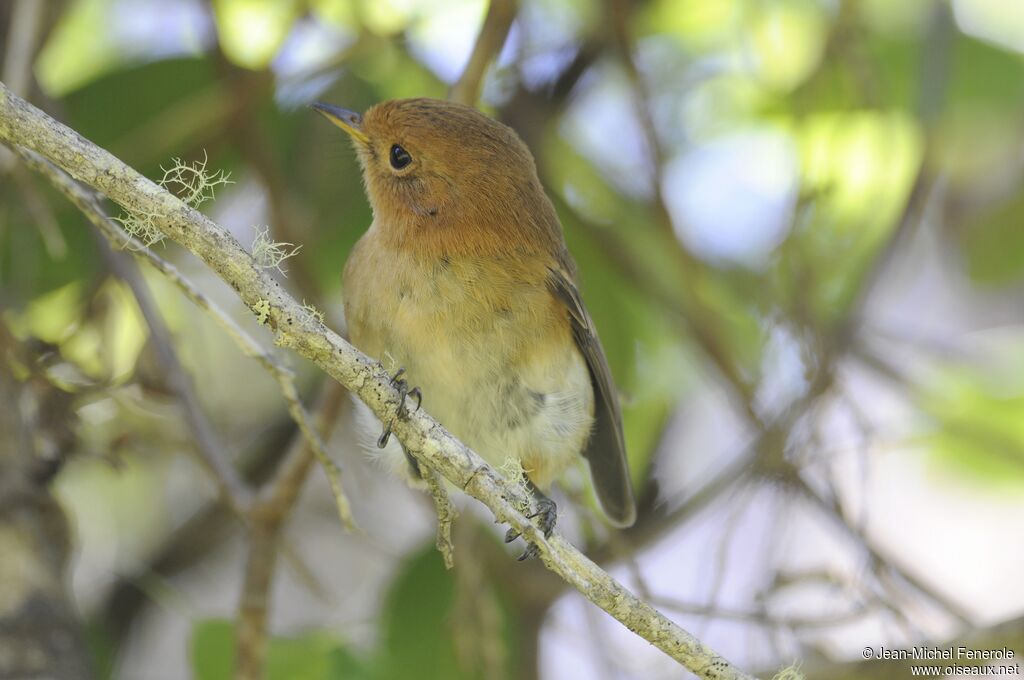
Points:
464	281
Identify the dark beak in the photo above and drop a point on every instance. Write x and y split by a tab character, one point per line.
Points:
349	121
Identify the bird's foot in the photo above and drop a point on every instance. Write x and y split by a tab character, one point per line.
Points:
401	412
546	514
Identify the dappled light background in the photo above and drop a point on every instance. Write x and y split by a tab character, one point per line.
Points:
800	230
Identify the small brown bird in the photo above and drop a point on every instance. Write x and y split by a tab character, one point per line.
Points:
464	280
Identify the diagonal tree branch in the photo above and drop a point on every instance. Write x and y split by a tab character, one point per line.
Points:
295	327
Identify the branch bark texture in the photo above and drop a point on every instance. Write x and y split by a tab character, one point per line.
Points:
23	125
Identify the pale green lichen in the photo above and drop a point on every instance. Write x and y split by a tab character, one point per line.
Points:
262	310
269	254
313	311
513	472
790	673
191	183
142	226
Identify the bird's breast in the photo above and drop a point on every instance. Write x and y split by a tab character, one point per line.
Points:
485	340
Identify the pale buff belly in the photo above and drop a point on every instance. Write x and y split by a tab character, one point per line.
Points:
498	374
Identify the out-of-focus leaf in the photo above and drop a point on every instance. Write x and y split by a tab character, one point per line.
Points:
27	268
699	25
980	421
101	649
251	31
341	13
422	633
982	72
417	639
124	331
859	167
105	345
787	38
54	316
994	244
212	649
150	113
394	74
314	656
905	19
75	53
386	17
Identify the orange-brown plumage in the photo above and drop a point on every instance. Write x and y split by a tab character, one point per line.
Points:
464	280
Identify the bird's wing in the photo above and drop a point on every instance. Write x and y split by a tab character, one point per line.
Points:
605	450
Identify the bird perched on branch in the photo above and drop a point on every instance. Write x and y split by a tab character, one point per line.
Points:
464	280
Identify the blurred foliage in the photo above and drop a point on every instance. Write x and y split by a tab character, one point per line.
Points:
410	645
866	101
311	657
979	415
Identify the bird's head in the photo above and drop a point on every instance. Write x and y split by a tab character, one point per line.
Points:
436	170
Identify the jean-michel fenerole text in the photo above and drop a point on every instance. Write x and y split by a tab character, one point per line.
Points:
930	653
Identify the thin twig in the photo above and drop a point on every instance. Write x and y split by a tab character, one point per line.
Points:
22	35
266	520
490	40
251	620
445	516
281	491
296	328
834	512
213	454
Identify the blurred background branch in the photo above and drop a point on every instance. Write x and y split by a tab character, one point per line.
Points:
489	42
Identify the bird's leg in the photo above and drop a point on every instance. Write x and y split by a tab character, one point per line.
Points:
401	412
546	513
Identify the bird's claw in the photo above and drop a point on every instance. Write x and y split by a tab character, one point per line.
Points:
531	552
547	516
401	412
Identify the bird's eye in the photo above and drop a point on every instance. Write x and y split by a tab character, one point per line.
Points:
399	157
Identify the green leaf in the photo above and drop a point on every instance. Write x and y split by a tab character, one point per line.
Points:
416	622
430	630
993	244
313	656
252	31
212	649
980	421
27	267
149	113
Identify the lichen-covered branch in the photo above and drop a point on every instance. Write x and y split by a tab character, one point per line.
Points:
296	328
445	516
